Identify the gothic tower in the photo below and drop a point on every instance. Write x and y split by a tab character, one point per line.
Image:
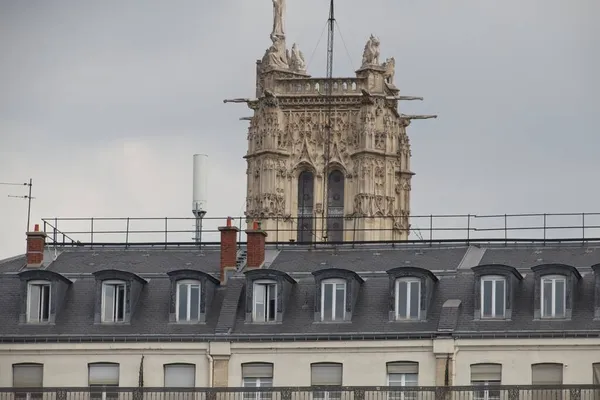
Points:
367	176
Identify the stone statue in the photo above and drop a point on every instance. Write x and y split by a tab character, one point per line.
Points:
297	63
390	70
278	17
276	55
371	52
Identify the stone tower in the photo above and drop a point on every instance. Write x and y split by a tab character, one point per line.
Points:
367	176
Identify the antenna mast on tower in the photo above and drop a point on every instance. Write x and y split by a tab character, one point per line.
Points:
329	121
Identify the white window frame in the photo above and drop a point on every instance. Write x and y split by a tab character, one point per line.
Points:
481	386
553	279
189	283
333	309
30	394
104	393
493	279
403	395
409	282
30	286
266	307
103	303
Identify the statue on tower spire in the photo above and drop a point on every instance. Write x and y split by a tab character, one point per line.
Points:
278	18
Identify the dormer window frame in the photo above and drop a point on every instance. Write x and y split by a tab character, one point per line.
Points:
268	300
43	302
114	284
553	280
335	283
554	273
495	273
410	281
208	284
352	283
426	284
283	288
493	309
190	285
57	285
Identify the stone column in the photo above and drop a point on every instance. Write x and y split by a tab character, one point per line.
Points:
220	352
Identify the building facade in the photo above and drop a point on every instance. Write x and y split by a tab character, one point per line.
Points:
382	316
324	152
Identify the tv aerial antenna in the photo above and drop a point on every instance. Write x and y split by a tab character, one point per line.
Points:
27	197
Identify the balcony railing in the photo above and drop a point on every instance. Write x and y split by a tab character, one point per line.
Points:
566	227
562	392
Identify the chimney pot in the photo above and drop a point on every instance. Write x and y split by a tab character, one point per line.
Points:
228	248
36	242
255	251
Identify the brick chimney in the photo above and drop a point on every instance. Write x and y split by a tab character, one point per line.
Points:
36	242
228	247
256	246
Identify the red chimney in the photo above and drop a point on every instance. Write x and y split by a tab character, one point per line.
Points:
256	246
228	247
36	241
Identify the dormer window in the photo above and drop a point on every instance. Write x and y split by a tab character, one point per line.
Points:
408	298
493	296
555	287
113	301
117	294
265	301
553	296
411	289
188	300
267	291
333	300
38	301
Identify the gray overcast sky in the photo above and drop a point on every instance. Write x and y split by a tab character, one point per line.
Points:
104	103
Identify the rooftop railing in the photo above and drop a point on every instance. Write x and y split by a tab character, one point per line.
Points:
502	228
480	392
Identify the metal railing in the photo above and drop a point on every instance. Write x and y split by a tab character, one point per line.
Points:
565	227
529	392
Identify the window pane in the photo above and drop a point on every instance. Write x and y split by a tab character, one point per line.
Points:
271	303
500	298
120	312
180	375
328	301
402	298
28	375
414	299
559	297
340	301
183	296
45	302
547	300
34	303
259	303
194	302
487	298
109	301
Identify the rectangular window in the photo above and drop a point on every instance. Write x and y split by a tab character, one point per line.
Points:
402	374
188	301
326	374
553	297
256	375
483	375
547	374
180	375
265	302
408	298
113	302
333	301
27	376
38	302
493	297
101	378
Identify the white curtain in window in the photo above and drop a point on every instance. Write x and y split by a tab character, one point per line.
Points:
547	374
486	372
103	374
180	375
28	375
326	374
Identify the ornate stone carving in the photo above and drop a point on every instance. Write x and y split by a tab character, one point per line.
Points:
296	60
278	18
276	55
390	70
371	52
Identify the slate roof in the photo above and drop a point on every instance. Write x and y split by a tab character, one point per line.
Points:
226	316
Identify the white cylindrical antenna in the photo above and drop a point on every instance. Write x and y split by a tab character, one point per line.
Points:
200	184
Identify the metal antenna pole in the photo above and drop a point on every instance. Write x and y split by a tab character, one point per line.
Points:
28	197
328	126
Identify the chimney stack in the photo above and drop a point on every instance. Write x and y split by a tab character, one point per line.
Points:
256	246
36	241
228	247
